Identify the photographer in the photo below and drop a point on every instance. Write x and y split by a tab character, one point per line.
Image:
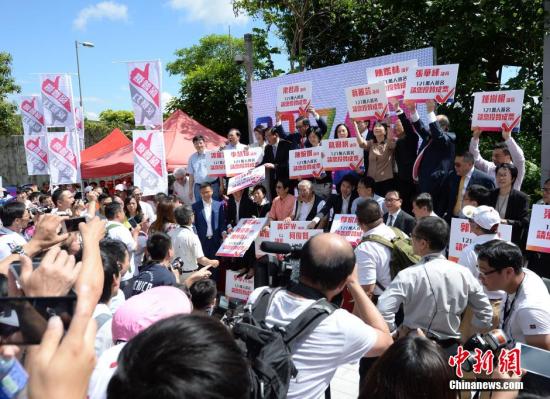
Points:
327	265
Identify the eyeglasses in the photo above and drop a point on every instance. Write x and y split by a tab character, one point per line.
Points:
392	199
485	274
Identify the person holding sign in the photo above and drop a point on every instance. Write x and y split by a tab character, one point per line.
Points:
299	138
381	150
437	152
340	203
198	171
322	185
308	205
512	205
276	158
505	152
283	205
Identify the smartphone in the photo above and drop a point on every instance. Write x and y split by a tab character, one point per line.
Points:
72	224
15	267
23	320
535	360
133	222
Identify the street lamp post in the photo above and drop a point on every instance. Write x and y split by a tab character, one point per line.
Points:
83	44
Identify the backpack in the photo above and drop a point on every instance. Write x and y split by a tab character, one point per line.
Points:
402	254
269	350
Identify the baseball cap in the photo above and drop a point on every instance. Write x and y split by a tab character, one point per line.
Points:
484	216
145	309
120	187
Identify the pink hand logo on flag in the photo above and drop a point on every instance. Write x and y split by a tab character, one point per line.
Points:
51	88
34	147
29	108
140	79
60	147
143	149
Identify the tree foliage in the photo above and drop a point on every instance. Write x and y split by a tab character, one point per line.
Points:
122	119
213	85
10	122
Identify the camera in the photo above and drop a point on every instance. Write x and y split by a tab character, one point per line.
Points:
288	268
177	264
39	210
494	341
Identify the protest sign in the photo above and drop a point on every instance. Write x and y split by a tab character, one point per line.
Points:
247	179
242	236
263	236
367	101
63	157
393	75
538	238
461	236
150	162
304	163
341	154
299	236
347	227
144	80
241	161
215	163
294	97
498	110
32	115
57	101
36	152
238	287
276	229
437	82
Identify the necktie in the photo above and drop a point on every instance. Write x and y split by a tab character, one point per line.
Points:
301	142
458	202
274	151
416	165
390	220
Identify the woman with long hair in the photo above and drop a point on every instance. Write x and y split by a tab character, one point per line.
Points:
166	220
132	209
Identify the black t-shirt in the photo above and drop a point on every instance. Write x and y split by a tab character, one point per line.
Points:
150	276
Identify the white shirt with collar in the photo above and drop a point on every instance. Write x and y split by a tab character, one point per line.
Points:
104	335
187	246
305	207
208	217
148	211
373	259
9	238
182	191
393	217
117	231
467	181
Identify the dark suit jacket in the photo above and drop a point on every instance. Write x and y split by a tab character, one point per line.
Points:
280	160
406	149
334	201
403	222
453	182
246	207
438	159
296	138
218	221
517	214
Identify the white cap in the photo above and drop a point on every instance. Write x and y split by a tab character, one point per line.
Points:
120	187
484	216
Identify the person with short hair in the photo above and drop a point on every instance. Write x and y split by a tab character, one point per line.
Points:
308	204
322	184
365	189
203	295
434	292
63	200
275	158
423	206
299	138
340	203
119	253
476	195
327	265
15	218
396	217
260	205
45	201
507	151
283	204
198	172
206	364
186	243
182	187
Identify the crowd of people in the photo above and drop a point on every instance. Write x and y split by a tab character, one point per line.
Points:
146	276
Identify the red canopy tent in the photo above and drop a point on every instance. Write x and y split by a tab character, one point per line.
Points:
115	139
179	130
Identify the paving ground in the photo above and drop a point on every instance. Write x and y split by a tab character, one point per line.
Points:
345	384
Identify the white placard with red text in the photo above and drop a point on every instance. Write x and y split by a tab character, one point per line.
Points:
277	229
461	236
242	236
538	238
393	75
367	101
238	287
306	162
294	97
437	82
215	163
144	79
36	152
341	154
150	162
32	115
241	161
263	236
247	179
57	101
299	236
63	158
498	110
347	227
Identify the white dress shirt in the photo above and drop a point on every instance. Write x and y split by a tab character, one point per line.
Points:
208	218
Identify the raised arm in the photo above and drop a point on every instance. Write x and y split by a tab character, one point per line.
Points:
480	163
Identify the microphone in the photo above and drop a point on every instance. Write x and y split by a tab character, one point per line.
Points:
281	248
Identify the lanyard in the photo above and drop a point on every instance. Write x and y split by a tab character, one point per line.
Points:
508	312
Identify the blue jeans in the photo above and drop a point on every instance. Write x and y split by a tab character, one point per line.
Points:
215	187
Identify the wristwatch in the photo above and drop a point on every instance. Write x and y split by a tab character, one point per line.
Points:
17	250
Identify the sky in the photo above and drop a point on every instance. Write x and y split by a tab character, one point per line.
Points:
40	36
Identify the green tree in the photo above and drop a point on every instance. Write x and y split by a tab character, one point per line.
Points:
122	119
10	122
213	86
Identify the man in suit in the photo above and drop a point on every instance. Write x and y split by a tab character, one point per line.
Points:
437	152
397	217
299	138
209	222
464	176
239	206
276	158
339	203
